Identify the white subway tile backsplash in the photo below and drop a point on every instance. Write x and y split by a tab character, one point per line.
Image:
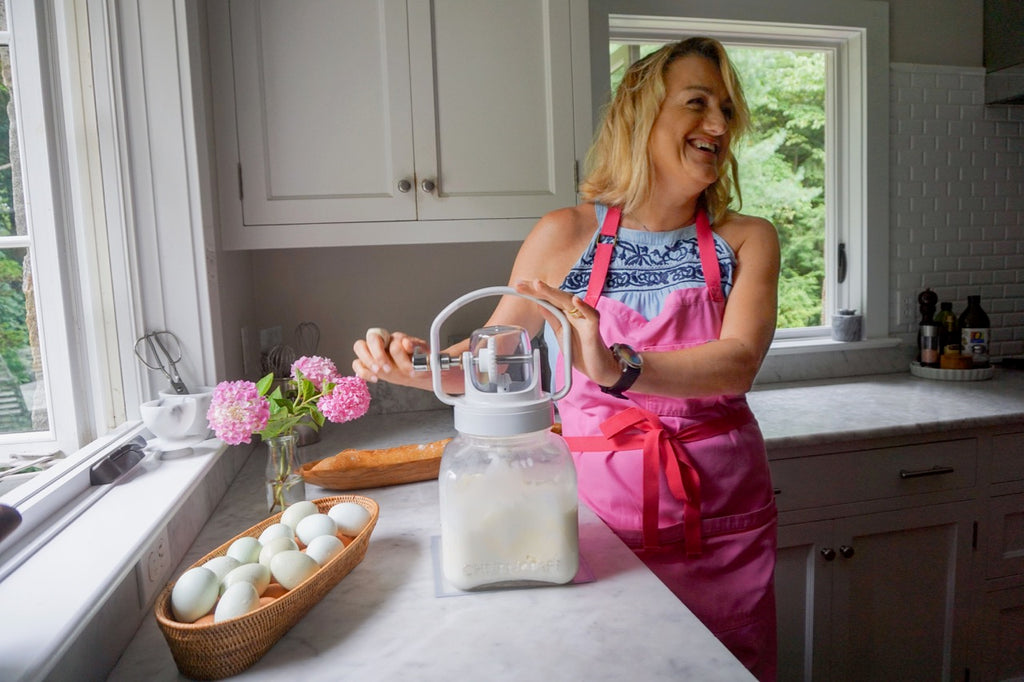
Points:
957	197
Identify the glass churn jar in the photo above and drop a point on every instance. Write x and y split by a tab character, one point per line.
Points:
507	483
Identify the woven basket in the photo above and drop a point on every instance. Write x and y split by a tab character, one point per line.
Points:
218	650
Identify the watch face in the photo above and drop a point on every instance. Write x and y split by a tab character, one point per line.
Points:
627	355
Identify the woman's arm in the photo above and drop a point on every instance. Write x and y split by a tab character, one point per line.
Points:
728	366
548	252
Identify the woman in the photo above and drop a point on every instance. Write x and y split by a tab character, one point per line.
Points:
666	449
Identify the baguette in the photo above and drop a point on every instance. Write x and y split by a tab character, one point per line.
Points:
351	459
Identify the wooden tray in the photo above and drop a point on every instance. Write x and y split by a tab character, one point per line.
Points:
217	650
415	467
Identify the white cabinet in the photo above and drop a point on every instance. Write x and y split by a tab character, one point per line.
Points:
998	642
873	582
875	597
999	635
389	121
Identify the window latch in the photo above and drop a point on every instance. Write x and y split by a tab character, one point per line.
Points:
841	270
117	464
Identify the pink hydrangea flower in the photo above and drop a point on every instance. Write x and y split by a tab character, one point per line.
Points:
316	369
237	410
349	400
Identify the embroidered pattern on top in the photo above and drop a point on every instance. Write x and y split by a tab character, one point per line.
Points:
638	267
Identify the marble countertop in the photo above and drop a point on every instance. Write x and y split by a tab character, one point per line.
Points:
884	405
385	620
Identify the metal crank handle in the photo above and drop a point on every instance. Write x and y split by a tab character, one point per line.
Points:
421	361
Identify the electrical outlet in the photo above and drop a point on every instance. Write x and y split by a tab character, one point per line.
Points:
908	310
154	568
904	309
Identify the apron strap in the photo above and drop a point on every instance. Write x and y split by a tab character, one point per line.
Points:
608	238
635	428
606	242
709	256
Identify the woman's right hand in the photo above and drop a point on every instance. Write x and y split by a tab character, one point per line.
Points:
383	355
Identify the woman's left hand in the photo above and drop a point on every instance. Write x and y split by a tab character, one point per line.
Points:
590	354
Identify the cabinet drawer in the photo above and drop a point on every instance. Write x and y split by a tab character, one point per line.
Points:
1003	537
874	474
1008	457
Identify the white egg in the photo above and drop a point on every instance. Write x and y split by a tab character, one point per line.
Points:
350	517
276	530
275	546
237	600
222	565
324	547
298	511
245	549
291	567
194	594
257	574
314	526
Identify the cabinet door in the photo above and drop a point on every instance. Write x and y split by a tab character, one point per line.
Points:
802	589
999	636
492	107
1002	538
321	94
900	599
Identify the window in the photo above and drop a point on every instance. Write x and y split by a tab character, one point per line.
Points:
838	144
22	385
58	390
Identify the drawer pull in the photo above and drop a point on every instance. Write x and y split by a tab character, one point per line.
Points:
934	471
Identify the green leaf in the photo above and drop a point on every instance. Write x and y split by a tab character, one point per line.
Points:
263	385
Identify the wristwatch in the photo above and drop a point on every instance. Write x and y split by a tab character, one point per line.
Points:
631	364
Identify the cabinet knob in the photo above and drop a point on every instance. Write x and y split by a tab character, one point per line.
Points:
404	185
427	186
846	551
828	553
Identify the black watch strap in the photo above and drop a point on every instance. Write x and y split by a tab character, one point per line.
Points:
631	364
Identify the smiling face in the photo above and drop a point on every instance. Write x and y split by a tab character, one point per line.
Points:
690	136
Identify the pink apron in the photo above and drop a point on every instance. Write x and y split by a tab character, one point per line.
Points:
684	482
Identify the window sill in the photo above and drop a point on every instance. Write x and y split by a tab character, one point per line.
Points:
827	345
71	607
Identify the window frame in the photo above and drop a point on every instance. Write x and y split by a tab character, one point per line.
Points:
44	177
116	177
856	38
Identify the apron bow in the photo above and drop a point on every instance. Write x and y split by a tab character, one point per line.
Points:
660	449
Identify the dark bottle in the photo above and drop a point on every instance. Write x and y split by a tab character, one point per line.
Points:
927	330
975	332
949	328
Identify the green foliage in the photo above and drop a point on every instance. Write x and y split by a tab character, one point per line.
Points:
13	332
782	169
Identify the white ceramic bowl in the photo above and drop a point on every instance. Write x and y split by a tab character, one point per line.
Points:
170	421
200	428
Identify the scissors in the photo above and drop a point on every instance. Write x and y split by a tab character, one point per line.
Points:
152	350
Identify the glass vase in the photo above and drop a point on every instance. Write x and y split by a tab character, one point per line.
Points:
285	484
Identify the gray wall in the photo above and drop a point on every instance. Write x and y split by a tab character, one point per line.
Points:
936	31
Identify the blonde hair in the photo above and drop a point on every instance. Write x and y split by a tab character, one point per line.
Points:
619	166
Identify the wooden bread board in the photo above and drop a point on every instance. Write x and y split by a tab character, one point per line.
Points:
358	469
